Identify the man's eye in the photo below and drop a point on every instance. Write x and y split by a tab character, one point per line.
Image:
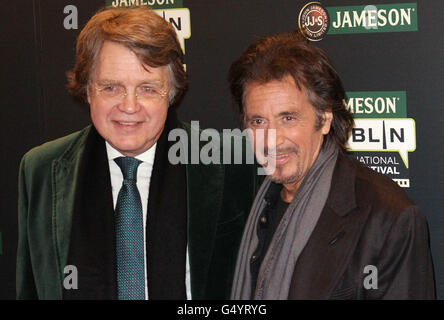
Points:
146	90
109	88
288	118
257	122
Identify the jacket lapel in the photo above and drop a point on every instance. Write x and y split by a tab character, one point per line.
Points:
83	218
204	196
64	176
166	231
326	255
92	236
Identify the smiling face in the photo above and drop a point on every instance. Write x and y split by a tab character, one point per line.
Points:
281	106
130	124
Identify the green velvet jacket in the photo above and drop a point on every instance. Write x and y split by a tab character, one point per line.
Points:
219	199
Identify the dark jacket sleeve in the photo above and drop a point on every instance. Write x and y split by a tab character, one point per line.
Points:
405	265
24	276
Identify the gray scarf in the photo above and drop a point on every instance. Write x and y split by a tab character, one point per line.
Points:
291	235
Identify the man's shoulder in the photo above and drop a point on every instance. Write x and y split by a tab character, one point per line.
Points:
380	206
59	148
379	191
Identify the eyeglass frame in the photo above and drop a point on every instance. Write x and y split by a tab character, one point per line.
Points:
162	94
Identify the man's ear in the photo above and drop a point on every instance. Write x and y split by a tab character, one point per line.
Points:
327	118
88	94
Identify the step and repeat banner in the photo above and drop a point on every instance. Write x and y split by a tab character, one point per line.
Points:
388	53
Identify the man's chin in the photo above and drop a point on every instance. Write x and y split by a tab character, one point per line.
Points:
128	150
284	179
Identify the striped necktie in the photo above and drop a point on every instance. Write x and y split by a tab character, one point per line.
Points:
129	234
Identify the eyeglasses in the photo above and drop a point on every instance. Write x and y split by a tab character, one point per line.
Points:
117	92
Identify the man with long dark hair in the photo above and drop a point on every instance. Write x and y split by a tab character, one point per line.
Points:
322	225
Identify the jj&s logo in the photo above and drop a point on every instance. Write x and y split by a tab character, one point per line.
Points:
314	21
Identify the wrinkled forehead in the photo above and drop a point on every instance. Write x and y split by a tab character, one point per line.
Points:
275	88
117	63
287	79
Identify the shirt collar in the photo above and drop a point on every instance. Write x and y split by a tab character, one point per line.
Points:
147	156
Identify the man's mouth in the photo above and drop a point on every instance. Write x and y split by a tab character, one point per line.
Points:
278	156
278	159
127	123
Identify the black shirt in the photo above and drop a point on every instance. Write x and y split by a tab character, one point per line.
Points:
268	223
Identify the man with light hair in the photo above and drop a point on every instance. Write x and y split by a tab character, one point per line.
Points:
103	214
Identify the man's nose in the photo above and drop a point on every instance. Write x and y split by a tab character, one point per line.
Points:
274	138
129	103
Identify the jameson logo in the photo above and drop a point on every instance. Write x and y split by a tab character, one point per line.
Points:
383	135
373	18
388	104
153	4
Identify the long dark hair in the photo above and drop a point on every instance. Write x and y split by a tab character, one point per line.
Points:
277	56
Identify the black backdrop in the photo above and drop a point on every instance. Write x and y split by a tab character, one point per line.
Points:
36	50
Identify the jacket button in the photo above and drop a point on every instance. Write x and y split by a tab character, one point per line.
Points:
263	220
254	258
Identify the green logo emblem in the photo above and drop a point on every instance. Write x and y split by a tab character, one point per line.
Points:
152	4
373	18
383	136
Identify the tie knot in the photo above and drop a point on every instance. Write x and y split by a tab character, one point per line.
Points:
128	165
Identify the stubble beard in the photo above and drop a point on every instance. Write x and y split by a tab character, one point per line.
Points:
280	178
295	173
